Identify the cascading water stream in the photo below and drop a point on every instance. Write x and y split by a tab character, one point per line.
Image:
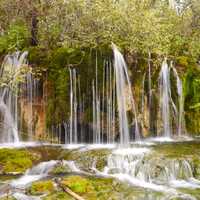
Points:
138	167
10	69
168	108
122	82
73	135
181	119
167	105
177	5
165	95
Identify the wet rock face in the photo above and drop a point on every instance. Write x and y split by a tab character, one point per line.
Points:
36	121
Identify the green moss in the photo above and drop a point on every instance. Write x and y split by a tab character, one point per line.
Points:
41	187
77	184
92	188
182	60
60	169
192	99
86	158
58	196
16	160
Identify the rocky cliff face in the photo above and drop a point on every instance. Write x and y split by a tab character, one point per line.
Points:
33	118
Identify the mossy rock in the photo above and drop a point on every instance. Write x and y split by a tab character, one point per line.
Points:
58	196
60	169
85	159
93	188
41	187
78	184
16	160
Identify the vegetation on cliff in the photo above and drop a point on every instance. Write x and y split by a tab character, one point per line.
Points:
63	34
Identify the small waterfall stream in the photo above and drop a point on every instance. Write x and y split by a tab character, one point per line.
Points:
165	98
73	137
122	82
181	120
140	167
8	97
168	108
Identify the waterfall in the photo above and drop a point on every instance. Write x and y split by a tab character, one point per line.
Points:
166	102
29	89
181	119
37	172
165	95
138	167
10	69
73	135
94	113
32	93
106	103
110	102
150	92
122	81
178	5
168	108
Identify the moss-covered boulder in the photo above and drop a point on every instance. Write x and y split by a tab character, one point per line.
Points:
60	169
16	161
91	188
41	187
78	184
87	159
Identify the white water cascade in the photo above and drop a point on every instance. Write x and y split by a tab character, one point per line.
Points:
168	108
122	82
138	167
10	69
32	93
37	172
181	119
177	5
73	137
166	102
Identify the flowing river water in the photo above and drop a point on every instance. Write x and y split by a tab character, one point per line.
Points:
151	169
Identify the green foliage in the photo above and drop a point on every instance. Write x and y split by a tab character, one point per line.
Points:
41	187
139	26
71	33
16	37
58	77
38	57
192	99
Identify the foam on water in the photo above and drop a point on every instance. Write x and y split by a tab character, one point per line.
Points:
21	196
192	183
72	166
140	183
72	146
100	146
130	151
